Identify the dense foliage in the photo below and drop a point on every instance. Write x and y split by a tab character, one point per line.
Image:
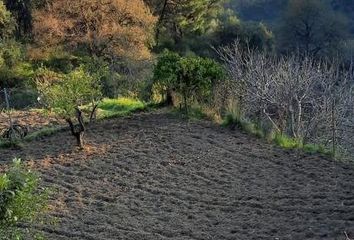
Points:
311	27
6	22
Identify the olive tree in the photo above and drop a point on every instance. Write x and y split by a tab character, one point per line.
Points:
66	94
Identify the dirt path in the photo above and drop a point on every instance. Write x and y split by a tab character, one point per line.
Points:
154	176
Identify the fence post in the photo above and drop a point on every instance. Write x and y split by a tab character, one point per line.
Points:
7	100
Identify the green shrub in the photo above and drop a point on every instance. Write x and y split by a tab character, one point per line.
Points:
192	78
61	64
21	201
165	74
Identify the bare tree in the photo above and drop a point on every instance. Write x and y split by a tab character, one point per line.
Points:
308	99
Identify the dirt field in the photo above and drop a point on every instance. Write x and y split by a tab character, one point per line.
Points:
155	176
33	120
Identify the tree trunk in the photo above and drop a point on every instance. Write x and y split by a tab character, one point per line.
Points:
77	132
80	139
169	98
185	103
93	113
299	119
160	21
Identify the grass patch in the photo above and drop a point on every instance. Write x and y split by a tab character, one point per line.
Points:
110	108
233	121
317	148
197	113
10	144
287	142
44	132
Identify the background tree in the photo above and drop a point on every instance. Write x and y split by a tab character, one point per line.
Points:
22	12
250	34
311	27
7	23
102	27
180	19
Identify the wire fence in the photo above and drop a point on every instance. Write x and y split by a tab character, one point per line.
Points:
14	126
17	98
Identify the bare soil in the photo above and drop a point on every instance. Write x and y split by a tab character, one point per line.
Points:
156	176
34	121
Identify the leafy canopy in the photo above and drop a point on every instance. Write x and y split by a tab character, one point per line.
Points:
191	77
64	93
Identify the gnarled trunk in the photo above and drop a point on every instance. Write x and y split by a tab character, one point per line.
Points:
77	132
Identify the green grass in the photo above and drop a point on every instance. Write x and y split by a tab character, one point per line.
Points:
44	132
233	121
110	108
287	142
10	144
317	148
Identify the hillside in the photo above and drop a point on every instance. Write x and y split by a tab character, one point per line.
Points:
270	10
157	176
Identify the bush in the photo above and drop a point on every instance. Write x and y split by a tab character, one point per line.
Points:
21	201
192	78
